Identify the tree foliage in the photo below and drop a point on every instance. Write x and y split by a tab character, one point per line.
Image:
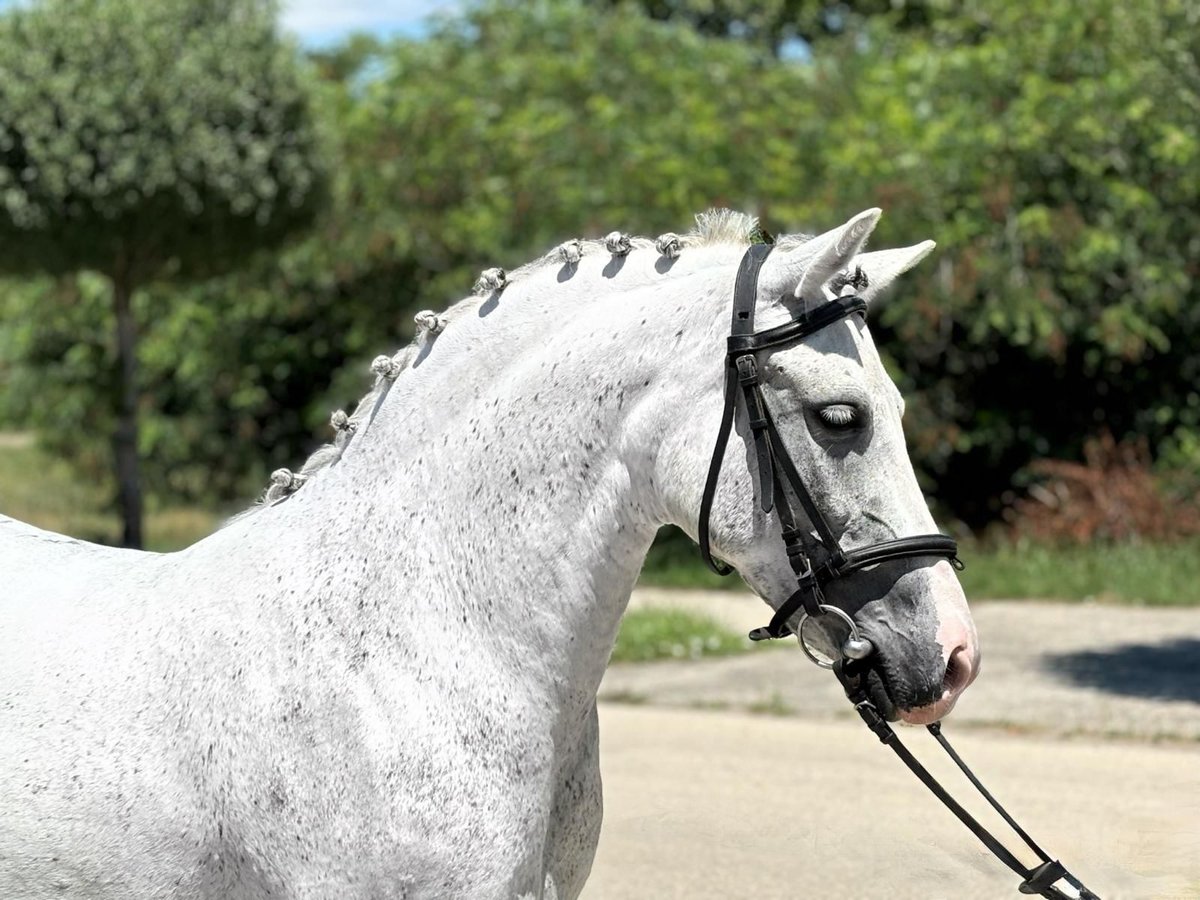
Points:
536	126
164	138
148	141
775	23
1049	149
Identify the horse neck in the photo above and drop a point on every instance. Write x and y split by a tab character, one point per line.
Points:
505	492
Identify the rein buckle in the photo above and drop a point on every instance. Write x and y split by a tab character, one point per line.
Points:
1042	878
747	369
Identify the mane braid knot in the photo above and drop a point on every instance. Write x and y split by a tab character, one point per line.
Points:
856	281
427	321
490	281
618	243
570	252
386	367
284	483
669	245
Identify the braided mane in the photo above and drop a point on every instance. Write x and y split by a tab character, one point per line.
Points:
712	228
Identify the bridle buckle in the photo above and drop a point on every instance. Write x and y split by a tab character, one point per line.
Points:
747	369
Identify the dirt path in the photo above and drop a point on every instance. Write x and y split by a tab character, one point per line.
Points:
1085	721
727	805
13	440
1048	668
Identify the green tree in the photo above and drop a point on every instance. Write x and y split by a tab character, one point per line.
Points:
504	131
773	23
149	142
1052	150
509	129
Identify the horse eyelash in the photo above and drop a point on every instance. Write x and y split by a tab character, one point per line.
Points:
838	415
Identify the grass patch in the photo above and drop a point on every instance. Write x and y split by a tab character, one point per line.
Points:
692	575
1138	574
1149	574
45	491
710	705
674	562
650	634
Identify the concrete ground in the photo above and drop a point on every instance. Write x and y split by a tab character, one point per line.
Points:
1085	721
1048	668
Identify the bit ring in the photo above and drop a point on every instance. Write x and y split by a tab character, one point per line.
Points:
855	638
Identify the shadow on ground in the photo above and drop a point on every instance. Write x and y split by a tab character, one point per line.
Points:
1166	671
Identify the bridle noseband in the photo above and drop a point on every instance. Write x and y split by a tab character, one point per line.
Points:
777	476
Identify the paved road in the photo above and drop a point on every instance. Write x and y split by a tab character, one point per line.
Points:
1085	719
1048	668
702	805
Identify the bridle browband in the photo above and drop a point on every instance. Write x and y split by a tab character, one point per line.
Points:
777	476
775	467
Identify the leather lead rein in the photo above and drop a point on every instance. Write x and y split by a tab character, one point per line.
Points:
1040	880
777	476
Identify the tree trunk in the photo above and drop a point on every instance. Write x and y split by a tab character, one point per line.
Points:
125	441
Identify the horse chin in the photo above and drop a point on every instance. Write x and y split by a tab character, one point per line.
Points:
878	694
881	697
923	715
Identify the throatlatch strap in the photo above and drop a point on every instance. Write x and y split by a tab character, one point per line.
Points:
714	474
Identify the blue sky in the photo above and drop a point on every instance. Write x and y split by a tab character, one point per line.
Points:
318	23
322	22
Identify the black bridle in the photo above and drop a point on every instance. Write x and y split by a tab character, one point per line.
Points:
778	482
775	467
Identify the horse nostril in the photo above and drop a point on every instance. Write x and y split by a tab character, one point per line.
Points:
958	671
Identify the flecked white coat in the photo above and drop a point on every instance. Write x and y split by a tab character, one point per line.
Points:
385	684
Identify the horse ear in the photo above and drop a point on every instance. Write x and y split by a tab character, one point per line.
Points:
803	269
883	266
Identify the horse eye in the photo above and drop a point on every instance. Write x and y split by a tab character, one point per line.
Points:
839	415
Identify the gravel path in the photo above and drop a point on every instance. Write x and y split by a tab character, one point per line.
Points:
1085	721
1048	668
708	805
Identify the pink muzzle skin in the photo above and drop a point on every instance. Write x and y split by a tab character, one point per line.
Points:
961	651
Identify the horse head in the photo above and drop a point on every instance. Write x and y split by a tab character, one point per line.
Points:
837	414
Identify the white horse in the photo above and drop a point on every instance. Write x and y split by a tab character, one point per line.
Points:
381	682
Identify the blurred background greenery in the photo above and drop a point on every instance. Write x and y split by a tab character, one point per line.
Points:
274	211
